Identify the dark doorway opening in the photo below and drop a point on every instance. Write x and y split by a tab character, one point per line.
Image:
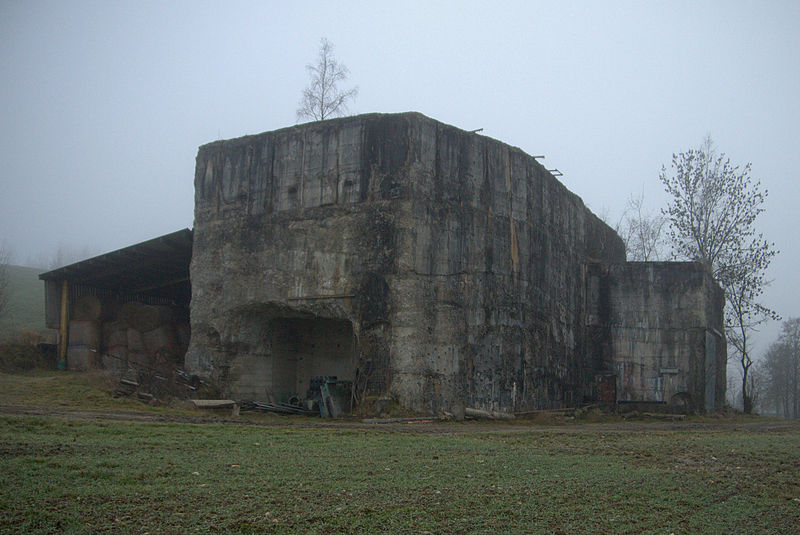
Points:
303	348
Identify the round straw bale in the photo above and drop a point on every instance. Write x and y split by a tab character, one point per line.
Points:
135	342
115	358
84	333
115	333
128	312
139	359
87	307
162	339
151	317
81	358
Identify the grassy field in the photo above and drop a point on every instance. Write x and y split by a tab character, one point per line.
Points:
26	302
279	475
69	390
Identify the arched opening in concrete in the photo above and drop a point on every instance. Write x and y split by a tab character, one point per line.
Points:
304	348
274	353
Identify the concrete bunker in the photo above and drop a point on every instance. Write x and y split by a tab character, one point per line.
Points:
413	260
470	276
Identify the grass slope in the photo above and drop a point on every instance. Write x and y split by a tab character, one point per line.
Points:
26	302
62	476
68	390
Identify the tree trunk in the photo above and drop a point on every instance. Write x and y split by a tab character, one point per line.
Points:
747	398
747	403
794	387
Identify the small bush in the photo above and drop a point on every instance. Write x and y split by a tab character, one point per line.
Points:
26	352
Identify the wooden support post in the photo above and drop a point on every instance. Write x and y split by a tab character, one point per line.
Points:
63	330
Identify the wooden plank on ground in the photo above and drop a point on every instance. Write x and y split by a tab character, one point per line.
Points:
416	419
214	403
489	415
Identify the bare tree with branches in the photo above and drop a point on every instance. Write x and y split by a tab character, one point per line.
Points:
5	259
782	364
323	99
712	214
642	231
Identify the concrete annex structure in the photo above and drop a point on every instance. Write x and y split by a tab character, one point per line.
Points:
438	266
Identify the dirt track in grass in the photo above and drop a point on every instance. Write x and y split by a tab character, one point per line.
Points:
75	459
436	427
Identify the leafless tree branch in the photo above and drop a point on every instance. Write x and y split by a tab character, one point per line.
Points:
322	98
642	231
5	258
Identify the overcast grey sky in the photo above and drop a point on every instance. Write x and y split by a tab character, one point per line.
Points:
104	103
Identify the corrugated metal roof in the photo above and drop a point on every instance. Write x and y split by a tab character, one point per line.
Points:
145	267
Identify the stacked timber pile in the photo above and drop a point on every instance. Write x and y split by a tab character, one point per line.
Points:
133	335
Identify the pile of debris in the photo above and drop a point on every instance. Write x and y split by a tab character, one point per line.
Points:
160	385
327	397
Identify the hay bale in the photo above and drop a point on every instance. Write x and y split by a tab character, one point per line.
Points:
128	312
161	340
115	358
145	317
115	333
151	317
139	359
87	308
82	358
134	340
84	334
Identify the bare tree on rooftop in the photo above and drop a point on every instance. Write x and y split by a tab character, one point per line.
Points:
712	213
642	231
323	98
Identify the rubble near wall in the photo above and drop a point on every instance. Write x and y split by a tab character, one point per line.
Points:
458	261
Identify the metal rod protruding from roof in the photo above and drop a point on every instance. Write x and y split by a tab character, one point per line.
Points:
538	157
476	131
555	172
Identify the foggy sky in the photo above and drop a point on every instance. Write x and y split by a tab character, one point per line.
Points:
103	104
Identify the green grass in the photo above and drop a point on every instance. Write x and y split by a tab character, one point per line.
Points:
74	477
77	476
66	390
26	302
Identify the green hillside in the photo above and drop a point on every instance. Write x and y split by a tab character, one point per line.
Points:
25	302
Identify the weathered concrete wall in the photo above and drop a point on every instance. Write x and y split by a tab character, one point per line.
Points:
458	260
665	326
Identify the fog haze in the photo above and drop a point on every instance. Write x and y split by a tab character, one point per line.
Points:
105	103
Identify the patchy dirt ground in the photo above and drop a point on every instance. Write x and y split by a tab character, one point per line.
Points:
752	425
73	462
87	397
